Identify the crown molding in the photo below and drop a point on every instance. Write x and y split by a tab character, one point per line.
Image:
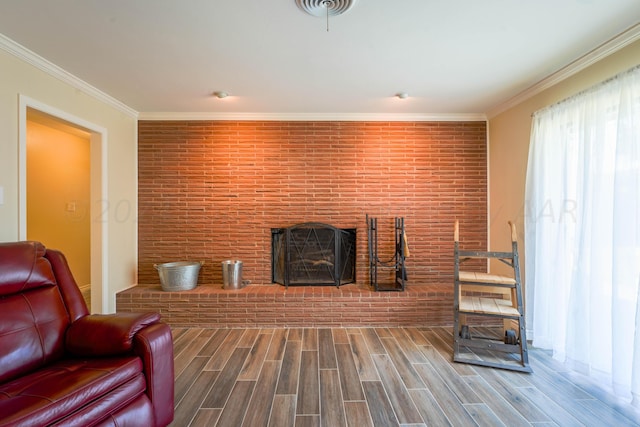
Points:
53	70
607	48
338	117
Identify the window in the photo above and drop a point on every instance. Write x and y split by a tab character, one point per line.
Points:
582	232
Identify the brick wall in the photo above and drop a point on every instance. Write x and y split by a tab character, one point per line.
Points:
212	190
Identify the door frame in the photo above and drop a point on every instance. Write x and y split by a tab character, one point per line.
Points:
98	192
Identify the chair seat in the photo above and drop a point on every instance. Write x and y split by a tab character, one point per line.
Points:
50	394
495	306
472	276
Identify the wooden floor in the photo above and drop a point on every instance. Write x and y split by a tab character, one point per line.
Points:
371	377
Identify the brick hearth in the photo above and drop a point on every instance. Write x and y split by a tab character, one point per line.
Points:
299	306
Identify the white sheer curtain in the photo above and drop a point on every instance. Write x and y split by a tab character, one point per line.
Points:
582	232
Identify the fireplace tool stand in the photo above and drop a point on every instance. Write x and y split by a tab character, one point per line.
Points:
397	261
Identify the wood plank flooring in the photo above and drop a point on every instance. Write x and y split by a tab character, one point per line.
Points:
371	377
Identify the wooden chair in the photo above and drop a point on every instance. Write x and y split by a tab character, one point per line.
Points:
479	295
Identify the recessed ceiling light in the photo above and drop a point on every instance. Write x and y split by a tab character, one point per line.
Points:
220	94
402	95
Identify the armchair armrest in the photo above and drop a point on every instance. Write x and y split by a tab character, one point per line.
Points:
106	334
155	346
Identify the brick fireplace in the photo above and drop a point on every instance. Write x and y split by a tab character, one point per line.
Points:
212	190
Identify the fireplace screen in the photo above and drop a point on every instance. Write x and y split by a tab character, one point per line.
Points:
313	254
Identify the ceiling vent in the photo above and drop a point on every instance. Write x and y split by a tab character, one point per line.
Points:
325	7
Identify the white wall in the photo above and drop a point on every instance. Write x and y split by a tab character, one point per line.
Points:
18	77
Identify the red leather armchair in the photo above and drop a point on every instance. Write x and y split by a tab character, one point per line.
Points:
60	365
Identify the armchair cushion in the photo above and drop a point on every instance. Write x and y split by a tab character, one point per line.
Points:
50	394
24	267
106	334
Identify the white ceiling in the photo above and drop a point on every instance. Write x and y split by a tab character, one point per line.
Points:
451	56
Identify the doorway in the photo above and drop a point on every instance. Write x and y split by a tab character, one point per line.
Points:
58	196
61	192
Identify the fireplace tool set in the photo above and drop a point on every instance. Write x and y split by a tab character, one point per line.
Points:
397	261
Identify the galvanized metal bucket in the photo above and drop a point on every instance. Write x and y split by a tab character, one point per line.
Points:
232	274
179	276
